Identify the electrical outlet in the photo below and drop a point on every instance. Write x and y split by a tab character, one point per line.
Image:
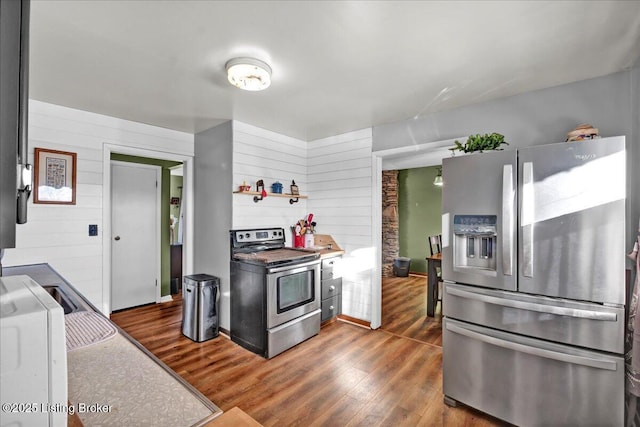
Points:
93	229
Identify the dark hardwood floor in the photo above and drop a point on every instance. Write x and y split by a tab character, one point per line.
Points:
345	376
404	310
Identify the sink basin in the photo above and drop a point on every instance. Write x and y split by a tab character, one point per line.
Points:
66	301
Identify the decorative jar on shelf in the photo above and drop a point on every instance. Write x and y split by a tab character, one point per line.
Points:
276	188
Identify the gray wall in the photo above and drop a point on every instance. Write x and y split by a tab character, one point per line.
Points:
213	186
609	103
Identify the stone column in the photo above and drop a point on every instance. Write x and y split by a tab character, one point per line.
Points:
390	243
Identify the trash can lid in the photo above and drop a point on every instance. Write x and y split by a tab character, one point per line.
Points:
201	278
402	258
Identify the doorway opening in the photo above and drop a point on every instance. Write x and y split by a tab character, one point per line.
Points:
176	230
168	253
402	158
176	201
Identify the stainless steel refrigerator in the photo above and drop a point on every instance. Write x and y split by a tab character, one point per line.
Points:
534	293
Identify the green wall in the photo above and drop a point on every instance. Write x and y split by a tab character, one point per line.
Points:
165	254
419	213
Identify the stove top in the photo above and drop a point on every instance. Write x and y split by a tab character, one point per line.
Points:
277	256
265	246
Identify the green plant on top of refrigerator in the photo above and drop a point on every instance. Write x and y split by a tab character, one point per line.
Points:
479	142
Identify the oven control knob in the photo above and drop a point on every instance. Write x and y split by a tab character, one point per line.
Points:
239	236
247	235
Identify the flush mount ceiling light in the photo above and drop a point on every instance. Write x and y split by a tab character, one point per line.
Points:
248	73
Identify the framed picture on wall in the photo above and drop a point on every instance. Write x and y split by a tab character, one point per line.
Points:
55	177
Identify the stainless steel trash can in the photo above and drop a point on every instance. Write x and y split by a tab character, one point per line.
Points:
200	307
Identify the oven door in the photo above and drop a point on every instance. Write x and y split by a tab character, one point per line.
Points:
292	291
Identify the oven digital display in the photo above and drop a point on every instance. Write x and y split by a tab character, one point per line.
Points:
262	235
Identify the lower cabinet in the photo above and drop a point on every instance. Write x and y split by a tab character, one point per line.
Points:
331	288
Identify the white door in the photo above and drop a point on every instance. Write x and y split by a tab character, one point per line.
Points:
135	245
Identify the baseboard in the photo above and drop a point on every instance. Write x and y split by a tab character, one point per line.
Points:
166	298
354	321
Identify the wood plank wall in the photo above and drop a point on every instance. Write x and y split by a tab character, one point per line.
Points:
262	154
58	234
340	186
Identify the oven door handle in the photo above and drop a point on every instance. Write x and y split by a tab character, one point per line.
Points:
294	268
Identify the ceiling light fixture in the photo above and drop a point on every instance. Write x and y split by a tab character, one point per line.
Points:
438	181
248	73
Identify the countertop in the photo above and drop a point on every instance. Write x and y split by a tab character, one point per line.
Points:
121	374
329	253
326	246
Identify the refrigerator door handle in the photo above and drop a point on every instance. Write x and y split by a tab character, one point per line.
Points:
540	308
527	219
592	362
507	219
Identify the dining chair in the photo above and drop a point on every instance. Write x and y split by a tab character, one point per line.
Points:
435	244
435	247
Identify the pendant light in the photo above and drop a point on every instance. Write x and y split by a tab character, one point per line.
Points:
438	181
248	73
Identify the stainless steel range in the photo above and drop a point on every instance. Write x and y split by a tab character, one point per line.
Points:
275	292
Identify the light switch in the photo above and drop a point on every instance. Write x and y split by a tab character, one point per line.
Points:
93	229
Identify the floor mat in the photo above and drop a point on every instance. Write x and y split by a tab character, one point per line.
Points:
87	328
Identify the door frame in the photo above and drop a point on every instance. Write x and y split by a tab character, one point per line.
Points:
158	258
187	198
407	157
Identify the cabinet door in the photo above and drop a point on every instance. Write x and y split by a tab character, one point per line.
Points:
9	112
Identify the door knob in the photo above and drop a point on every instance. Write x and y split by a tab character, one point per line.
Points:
116	238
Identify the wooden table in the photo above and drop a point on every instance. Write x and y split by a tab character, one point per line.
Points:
433	263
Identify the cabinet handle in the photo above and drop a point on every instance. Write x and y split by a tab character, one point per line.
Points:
331	308
332	288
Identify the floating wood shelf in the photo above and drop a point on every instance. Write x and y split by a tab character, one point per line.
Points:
293	198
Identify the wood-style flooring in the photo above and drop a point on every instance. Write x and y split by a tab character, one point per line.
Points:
404	310
345	376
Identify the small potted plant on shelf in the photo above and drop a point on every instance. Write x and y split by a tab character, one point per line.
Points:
480	143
